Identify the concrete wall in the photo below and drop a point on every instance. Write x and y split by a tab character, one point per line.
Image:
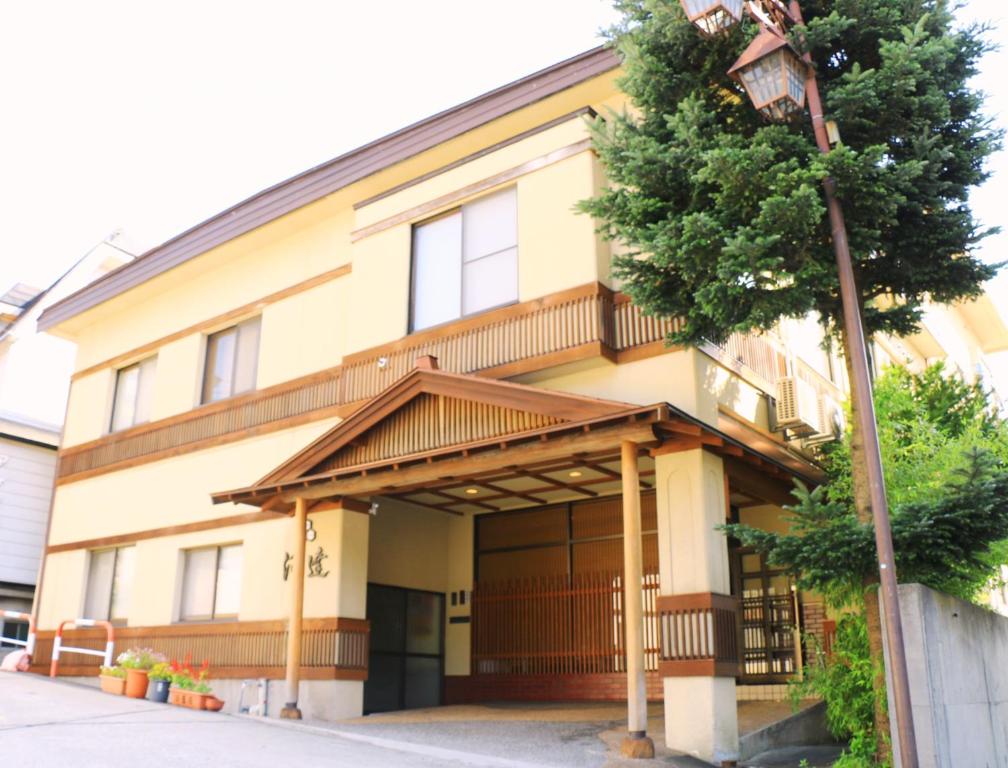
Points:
957	656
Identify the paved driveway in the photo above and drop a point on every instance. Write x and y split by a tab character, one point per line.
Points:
45	723
53	723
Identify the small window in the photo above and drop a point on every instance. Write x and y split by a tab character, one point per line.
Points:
231	360
110	585
13	630
466	262
211	583
134	393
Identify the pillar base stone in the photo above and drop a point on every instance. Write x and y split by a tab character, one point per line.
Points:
290	712
637	747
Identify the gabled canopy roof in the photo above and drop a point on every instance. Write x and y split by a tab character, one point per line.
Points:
433	427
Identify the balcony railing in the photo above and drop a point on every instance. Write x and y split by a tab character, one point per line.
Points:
334	649
576	324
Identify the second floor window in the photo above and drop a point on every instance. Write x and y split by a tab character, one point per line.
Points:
134	393
466	261
211	583
232	357
109	584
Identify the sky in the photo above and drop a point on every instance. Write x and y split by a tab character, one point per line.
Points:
150	117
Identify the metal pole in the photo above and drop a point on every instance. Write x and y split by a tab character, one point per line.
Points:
866	420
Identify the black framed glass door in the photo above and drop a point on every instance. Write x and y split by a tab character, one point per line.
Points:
406	663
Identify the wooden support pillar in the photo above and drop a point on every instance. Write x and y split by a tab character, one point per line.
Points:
290	710
636	743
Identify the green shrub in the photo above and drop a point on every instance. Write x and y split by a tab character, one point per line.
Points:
844	681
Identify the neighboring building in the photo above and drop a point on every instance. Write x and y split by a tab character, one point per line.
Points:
35	371
425	330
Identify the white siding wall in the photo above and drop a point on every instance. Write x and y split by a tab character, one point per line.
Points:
26	480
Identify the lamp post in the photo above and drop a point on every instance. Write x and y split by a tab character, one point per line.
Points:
777	81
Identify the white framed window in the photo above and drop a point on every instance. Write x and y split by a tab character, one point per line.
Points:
109	584
232	357
465	261
211	583
134	392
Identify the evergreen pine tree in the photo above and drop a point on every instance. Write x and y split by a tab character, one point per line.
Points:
723	213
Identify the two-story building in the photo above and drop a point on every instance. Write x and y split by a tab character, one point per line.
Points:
408	375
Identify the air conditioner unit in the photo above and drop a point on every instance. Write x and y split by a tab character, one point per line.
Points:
831	420
797	407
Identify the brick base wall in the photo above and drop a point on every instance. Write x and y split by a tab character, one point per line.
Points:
471	689
813	616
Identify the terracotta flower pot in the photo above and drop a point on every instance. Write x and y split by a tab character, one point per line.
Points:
136	683
113	685
213	704
190	699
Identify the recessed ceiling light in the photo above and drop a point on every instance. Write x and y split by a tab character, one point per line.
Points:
574	473
472	491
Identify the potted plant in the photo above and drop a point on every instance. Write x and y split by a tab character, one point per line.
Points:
159	676
113	680
189	688
137	662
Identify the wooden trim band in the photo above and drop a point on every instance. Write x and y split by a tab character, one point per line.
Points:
697	601
229	673
169	530
476	155
458	195
216	320
698	668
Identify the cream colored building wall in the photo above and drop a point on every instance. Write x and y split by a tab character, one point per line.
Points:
408	547
558	249
461	544
171	492
679	377
158	570
294	248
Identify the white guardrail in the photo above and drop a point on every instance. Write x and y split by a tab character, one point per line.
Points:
77	624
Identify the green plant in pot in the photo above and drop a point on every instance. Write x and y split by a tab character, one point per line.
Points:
137	662
159	677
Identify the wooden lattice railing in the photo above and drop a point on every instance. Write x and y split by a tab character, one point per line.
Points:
582	322
334	648
699	635
557	625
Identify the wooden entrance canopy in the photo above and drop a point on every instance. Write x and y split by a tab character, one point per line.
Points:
433	438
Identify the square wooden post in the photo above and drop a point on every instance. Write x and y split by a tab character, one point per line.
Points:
636	743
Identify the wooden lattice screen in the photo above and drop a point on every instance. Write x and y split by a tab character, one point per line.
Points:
558	625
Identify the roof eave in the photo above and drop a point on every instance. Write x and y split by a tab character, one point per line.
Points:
316	183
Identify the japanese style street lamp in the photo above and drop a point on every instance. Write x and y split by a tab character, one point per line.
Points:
777	81
773	75
713	17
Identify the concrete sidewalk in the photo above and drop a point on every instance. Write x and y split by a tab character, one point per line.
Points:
46	723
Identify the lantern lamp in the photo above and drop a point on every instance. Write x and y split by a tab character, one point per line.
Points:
773	75
713	16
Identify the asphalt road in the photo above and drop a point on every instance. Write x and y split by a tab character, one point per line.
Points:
49	723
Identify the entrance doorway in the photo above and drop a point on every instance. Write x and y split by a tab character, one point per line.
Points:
406	662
